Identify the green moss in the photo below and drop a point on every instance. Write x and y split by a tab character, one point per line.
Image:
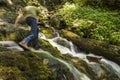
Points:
47	32
10	73
53	50
1	38
3	49
37	68
12	36
23	66
17	36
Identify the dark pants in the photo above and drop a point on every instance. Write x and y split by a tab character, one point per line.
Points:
34	30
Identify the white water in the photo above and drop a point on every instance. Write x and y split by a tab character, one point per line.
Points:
77	74
11	45
115	66
65	50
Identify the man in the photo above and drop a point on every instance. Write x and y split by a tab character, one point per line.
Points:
30	13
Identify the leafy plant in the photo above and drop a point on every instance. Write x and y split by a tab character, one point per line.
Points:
29	2
105	22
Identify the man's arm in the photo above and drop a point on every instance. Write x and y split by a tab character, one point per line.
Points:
17	20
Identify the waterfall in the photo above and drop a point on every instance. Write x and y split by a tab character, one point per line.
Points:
76	73
74	53
114	66
63	49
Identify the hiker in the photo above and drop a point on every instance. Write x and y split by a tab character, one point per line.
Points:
30	14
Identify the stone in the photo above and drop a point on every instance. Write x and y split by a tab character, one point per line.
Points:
94	59
11	45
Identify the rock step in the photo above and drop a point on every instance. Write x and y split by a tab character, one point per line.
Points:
12	45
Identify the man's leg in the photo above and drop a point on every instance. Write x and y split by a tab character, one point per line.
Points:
36	39
32	23
25	41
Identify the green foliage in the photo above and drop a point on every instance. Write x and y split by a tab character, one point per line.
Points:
104	22
110	4
80	2
30	2
115	38
67	10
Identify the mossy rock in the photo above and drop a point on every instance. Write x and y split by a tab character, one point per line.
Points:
2	49
48	32
46	46
30	66
57	22
62	42
82	66
10	73
93	46
12	36
22	66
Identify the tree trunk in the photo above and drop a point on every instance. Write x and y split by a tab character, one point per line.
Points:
108	51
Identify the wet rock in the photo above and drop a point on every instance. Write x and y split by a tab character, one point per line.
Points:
94	59
57	22
100	73
111	74
48	32
62	42
59	69
13	46
82	66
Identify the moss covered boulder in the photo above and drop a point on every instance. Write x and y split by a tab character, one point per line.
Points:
22	66
31	66
89	45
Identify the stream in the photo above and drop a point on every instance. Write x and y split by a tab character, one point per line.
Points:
67	47
76	73
110	66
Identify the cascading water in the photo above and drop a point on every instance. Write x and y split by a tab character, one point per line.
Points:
114	66
71	50
77	74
